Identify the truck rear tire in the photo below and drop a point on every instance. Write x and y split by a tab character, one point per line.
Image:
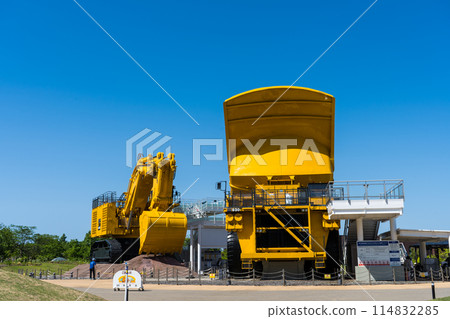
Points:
234	254
333	247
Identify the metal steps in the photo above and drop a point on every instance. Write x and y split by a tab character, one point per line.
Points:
370	229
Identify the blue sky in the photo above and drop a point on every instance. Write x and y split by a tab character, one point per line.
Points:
70	98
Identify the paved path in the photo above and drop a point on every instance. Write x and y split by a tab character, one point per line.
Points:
404	292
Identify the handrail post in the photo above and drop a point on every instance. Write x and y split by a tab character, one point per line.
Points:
366	192
284	277
348	193
312	273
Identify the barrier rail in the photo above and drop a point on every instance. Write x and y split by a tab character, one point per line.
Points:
220	276
318	194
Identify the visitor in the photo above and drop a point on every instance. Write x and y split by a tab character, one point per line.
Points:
92	269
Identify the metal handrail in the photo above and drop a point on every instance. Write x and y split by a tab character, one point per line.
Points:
345	187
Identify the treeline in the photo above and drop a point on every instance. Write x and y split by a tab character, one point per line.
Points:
22	243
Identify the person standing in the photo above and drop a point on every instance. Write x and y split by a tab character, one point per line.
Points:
92	269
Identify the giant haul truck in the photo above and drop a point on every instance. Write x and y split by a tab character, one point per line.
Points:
141	220
280	145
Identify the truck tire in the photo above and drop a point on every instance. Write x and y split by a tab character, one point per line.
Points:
234	254
333	247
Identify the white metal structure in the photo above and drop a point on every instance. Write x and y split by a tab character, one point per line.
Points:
377	200
206	225
421	236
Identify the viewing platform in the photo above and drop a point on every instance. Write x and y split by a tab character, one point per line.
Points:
380	199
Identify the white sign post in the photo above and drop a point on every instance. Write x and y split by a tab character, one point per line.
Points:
134	280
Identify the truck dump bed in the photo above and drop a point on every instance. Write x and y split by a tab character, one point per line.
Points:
301	115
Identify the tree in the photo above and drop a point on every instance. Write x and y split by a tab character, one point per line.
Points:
7	242
46	247
86	245
23	236
74	250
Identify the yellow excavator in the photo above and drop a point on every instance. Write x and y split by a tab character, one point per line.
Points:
143	212
280	143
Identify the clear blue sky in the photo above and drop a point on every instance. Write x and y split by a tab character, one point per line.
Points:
70	98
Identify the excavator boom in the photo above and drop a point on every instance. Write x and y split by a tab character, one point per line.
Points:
143	212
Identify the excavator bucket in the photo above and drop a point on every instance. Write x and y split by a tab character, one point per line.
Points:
162	232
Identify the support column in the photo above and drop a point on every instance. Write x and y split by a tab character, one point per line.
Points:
191	249
423	252
199	249
393	224
359	229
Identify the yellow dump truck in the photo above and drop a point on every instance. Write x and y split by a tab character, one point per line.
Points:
280	145
143	212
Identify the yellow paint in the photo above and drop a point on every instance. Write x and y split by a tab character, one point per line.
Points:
131	279
299	114
160	229
293	133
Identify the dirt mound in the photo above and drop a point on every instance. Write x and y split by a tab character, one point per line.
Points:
148	264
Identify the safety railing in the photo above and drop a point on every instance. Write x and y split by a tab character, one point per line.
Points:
318	194
269	197
108	197
210	209
180	275
365	190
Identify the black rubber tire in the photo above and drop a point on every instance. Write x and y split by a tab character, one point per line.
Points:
234	254
333	246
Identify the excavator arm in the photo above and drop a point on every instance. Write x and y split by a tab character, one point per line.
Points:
139	190
144	211
150	197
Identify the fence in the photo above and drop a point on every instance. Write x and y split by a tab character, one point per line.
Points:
430	275
220	276
374	189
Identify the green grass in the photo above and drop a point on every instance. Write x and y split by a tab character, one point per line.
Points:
19	287
442	299
52	267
